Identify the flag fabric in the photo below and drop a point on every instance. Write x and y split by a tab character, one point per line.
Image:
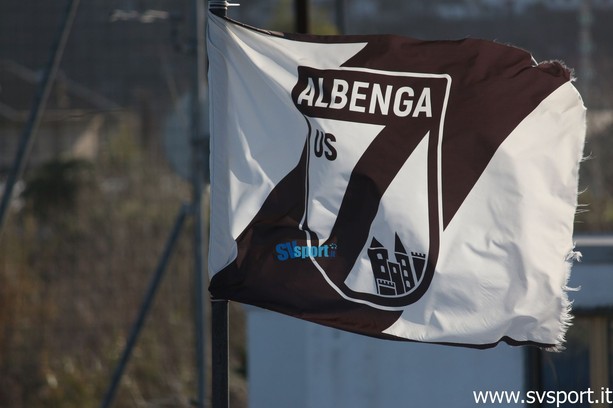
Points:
392	187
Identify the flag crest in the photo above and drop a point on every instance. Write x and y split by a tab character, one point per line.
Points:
392	187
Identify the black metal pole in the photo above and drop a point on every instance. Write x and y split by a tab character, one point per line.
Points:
340	16
220	7
144	309
220	393
533	373
302	16
219	342
198	150
42	95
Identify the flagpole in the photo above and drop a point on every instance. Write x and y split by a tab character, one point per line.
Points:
197	168
302	16
220	354
340	16
220	394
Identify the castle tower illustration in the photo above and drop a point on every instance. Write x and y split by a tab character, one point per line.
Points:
404	262
418	265
395	278
378	260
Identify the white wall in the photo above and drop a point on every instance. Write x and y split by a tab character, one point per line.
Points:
296	364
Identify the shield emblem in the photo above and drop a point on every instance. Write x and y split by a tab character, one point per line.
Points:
372	180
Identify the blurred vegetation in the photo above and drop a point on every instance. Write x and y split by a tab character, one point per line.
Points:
53	188
75	262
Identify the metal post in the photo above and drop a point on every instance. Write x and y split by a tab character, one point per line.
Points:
144	310
220	394
533	375
586	76
302	16
586	48
198	150
219	335
340	16
40	101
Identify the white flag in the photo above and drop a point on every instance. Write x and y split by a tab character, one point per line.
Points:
403	189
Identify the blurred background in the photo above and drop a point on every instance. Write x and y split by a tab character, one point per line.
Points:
109	171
